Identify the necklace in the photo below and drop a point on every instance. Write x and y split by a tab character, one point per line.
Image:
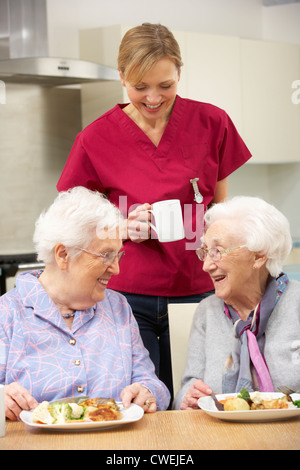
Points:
69	315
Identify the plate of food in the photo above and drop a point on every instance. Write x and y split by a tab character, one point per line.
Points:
253	406
84	415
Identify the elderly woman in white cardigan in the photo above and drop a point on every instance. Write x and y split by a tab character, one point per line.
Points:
247	335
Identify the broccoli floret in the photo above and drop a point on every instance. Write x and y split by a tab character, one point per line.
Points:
41	414
244	394
61	412
77	411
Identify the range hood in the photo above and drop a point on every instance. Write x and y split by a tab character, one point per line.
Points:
24	50
52	71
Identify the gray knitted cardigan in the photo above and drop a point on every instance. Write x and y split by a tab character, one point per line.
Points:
211	340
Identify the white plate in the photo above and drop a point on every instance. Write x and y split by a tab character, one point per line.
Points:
131	414
208	405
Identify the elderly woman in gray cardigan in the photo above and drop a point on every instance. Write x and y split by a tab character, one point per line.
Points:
247	335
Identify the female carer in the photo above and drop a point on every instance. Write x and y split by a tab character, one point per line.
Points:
149	150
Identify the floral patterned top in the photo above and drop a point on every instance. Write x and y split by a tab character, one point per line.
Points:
99	356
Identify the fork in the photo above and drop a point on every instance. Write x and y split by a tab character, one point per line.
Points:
102	401
286	390
219	405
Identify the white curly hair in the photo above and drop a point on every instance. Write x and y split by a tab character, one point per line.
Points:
263	228
73	219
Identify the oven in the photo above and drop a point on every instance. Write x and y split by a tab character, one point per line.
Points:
11	265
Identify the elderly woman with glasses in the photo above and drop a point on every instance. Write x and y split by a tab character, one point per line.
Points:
62	331
247	334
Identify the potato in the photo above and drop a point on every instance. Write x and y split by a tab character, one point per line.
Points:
236	404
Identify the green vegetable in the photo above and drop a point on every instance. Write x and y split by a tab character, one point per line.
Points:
244	394
61	412
297	403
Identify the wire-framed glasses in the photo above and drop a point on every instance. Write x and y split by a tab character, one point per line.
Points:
215	253
107	258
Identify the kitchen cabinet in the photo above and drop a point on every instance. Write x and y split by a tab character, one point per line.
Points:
271	121
213	73
100	45
251	80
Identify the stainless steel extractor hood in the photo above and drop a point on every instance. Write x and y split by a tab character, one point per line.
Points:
24	50
52	71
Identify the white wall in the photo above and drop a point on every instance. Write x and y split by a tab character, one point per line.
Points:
242	18
230	17
38	127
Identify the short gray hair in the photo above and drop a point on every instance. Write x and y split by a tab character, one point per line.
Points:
73	219
264	229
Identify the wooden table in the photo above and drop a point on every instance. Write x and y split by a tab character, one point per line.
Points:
164	430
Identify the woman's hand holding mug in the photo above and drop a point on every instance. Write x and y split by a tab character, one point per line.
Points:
168	222
137	224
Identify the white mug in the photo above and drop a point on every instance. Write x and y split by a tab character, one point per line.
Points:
2	412
168	220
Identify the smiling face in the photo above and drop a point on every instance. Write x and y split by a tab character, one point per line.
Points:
236	277
87	277
154	96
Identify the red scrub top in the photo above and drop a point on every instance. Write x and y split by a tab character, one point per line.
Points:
114	156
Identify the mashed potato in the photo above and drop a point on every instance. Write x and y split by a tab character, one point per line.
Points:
257	397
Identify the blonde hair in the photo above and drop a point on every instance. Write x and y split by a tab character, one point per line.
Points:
142	46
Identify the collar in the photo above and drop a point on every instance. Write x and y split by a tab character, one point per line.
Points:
281	283
34	296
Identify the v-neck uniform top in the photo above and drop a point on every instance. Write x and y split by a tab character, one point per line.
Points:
114	156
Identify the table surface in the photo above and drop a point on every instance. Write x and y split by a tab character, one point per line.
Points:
164	430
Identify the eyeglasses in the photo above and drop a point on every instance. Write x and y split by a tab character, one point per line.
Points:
108	258
215	253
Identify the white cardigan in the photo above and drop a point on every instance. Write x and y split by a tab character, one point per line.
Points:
211	340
